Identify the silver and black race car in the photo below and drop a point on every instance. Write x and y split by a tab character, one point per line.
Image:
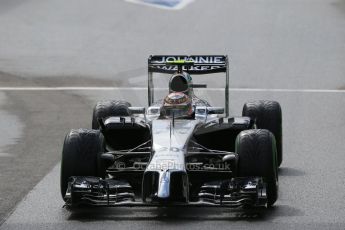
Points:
179	151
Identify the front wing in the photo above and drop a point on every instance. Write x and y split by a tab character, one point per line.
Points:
95	191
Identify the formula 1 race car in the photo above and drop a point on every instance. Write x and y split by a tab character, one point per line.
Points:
179	151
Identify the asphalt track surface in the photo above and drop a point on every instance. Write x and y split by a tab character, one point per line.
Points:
289	51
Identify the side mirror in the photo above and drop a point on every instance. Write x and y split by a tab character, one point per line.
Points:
203	110
215	110
154	110
200	111
136	110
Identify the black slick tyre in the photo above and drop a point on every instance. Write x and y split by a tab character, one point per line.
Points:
257	157
104	109
267	115
80	156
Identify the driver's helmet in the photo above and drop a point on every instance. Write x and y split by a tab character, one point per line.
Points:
178	105
181	82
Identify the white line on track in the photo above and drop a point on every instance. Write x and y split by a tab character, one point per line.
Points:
144	88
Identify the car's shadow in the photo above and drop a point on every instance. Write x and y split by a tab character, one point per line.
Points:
287	171
181	214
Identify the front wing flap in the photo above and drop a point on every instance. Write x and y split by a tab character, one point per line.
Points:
95	191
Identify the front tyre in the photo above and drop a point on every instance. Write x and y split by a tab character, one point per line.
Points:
256	150
267	115
104	109
80	156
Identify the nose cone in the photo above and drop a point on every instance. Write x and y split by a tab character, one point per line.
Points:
164	184
165	177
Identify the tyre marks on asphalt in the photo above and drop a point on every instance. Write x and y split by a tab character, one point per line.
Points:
32	128
11	128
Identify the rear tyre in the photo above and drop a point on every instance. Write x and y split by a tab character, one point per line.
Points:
80	156
104	109
257	154
267	115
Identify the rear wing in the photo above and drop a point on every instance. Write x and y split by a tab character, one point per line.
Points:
194	64
201	64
